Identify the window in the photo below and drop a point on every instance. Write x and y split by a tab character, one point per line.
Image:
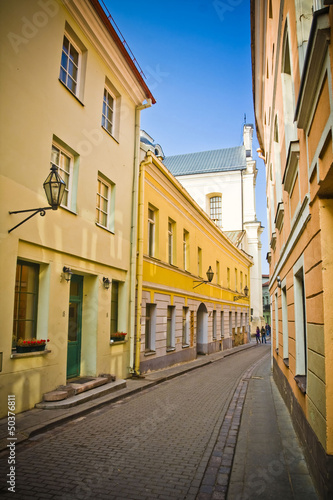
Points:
222	324
215	203
171	323
186	249
241	282
114	306
236	279
217	272
26	297
151	231
109	102
214	325
69	69
105	203
285	324
228	277
230	323
276	321
171	250
150	327
186	326
65	163
199	261
300	322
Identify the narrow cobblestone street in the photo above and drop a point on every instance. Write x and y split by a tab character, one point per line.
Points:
156	444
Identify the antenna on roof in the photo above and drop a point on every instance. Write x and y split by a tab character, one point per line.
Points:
244	118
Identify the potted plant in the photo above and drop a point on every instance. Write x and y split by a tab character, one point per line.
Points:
30	345
118	336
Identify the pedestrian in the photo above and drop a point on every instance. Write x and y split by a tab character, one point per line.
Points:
263	335
258	335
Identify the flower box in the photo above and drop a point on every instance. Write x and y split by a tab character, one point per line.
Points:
33	345
118	337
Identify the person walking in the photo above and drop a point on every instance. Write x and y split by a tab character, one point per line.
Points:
258	335
263	335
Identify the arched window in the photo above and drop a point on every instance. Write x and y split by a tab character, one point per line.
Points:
215	209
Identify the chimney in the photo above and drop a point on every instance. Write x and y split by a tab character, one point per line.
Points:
247	139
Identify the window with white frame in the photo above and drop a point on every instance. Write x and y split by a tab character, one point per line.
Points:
171	326
285	323
69	68
222	324
171	250
186	249
105	203
108	112
300	321
215	205
276	321
214	325
150	327
186	326
151	231
65	163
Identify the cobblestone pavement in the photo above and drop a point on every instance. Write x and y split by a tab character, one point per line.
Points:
154	445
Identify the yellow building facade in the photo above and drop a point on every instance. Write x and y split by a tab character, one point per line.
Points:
292	62
180	313
71	97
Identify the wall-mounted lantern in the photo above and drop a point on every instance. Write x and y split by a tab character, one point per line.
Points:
106	283
244	296
67	273
210	276
54	188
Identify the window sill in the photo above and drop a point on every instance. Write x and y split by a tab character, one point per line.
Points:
69	90
117	342
170	349
105	228
185	346
109	134
68	210
301	382
150	353
33	354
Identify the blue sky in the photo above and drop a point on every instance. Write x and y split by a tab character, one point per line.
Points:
196	56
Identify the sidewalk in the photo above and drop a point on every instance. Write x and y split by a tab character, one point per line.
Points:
257	454
32	422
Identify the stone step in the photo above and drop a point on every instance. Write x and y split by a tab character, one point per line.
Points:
82	397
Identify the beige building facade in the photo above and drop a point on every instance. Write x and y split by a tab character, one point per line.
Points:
71	96
292	62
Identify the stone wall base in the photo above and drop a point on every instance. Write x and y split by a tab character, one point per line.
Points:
152	363
320	464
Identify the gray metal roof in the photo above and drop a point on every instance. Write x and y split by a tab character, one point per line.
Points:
218	160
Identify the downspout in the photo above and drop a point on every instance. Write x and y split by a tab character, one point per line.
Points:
134	221
139	271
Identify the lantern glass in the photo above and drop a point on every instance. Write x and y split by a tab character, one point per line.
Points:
54	187
210	274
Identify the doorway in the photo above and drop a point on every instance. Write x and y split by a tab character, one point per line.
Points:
74	326
202	329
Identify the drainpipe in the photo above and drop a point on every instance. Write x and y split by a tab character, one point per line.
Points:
138	109
139	274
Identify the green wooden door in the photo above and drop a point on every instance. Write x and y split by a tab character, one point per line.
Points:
74	327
